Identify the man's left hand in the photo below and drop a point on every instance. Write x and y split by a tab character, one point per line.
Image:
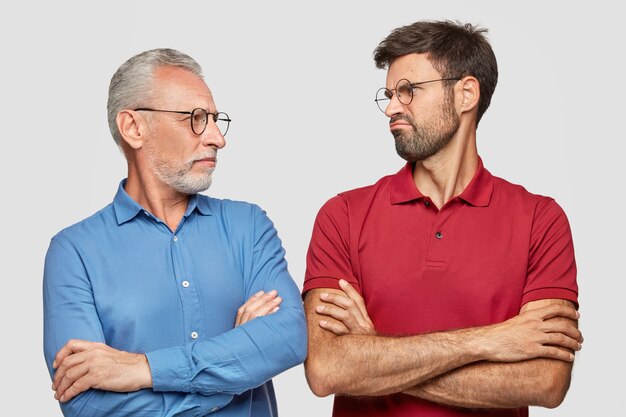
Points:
81	365
348	310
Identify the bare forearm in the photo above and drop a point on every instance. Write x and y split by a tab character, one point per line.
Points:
379	365
364	364
499	385
542	381
375	365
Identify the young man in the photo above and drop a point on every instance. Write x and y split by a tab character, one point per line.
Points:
168	302
394	268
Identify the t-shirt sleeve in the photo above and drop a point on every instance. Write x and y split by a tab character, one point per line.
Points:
551	264
328	257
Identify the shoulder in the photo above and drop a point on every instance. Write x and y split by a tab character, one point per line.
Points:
539	209
237	216
358	198
230	208
89	228
506	192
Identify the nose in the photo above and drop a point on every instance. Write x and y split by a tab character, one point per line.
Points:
212	136
394	106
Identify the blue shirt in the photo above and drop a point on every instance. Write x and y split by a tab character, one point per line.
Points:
122	277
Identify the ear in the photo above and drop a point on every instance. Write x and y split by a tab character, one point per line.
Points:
132	127
469	94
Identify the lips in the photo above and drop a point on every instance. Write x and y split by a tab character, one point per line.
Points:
209	159
398	122
396	125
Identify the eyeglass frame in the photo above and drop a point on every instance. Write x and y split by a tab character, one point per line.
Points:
215	117
412	85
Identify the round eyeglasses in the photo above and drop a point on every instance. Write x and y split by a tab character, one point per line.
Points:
403	91
199	119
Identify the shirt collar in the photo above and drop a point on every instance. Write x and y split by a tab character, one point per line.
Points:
126	208
199	202
477	193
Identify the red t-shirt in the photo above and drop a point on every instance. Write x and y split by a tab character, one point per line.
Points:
477	261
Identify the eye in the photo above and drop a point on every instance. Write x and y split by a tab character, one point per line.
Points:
405	89
198	116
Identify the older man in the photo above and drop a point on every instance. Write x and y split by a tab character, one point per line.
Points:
440	290
168	302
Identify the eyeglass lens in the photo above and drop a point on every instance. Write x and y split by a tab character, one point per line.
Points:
199	120
403	91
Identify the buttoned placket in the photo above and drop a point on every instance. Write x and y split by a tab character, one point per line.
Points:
437	253
191	304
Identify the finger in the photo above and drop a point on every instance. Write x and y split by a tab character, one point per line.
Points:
265	302
261	300
67	363
337	313
566	328
241	310
268	307
347	303
559	339
71	375
73	346
253	297
80	385
335	327
354	295
556	353
557	310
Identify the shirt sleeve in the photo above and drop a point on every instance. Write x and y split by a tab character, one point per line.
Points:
551	264
248	355
328	257
70	313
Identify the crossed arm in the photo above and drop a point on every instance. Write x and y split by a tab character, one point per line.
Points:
203	375
525	360
81	365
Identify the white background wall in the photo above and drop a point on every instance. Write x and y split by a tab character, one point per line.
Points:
299	82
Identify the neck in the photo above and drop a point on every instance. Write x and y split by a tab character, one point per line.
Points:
446	174
155	196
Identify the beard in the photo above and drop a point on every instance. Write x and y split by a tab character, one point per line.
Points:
179	175
426	140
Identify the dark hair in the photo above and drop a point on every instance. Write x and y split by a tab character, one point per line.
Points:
454	49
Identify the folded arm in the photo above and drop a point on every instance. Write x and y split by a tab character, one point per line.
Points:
542	382
204	374
366	364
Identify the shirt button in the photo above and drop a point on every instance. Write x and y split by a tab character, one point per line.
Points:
194	335
146	213
427	203
185	284
175	238
438	235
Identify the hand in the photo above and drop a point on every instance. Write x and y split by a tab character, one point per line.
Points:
533	334
260	304
81	365
348	309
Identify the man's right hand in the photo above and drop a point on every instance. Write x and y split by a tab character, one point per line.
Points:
532	334
260	304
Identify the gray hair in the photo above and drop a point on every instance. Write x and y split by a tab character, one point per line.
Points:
131	85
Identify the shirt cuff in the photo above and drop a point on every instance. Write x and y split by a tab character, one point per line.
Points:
169	369
546	293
